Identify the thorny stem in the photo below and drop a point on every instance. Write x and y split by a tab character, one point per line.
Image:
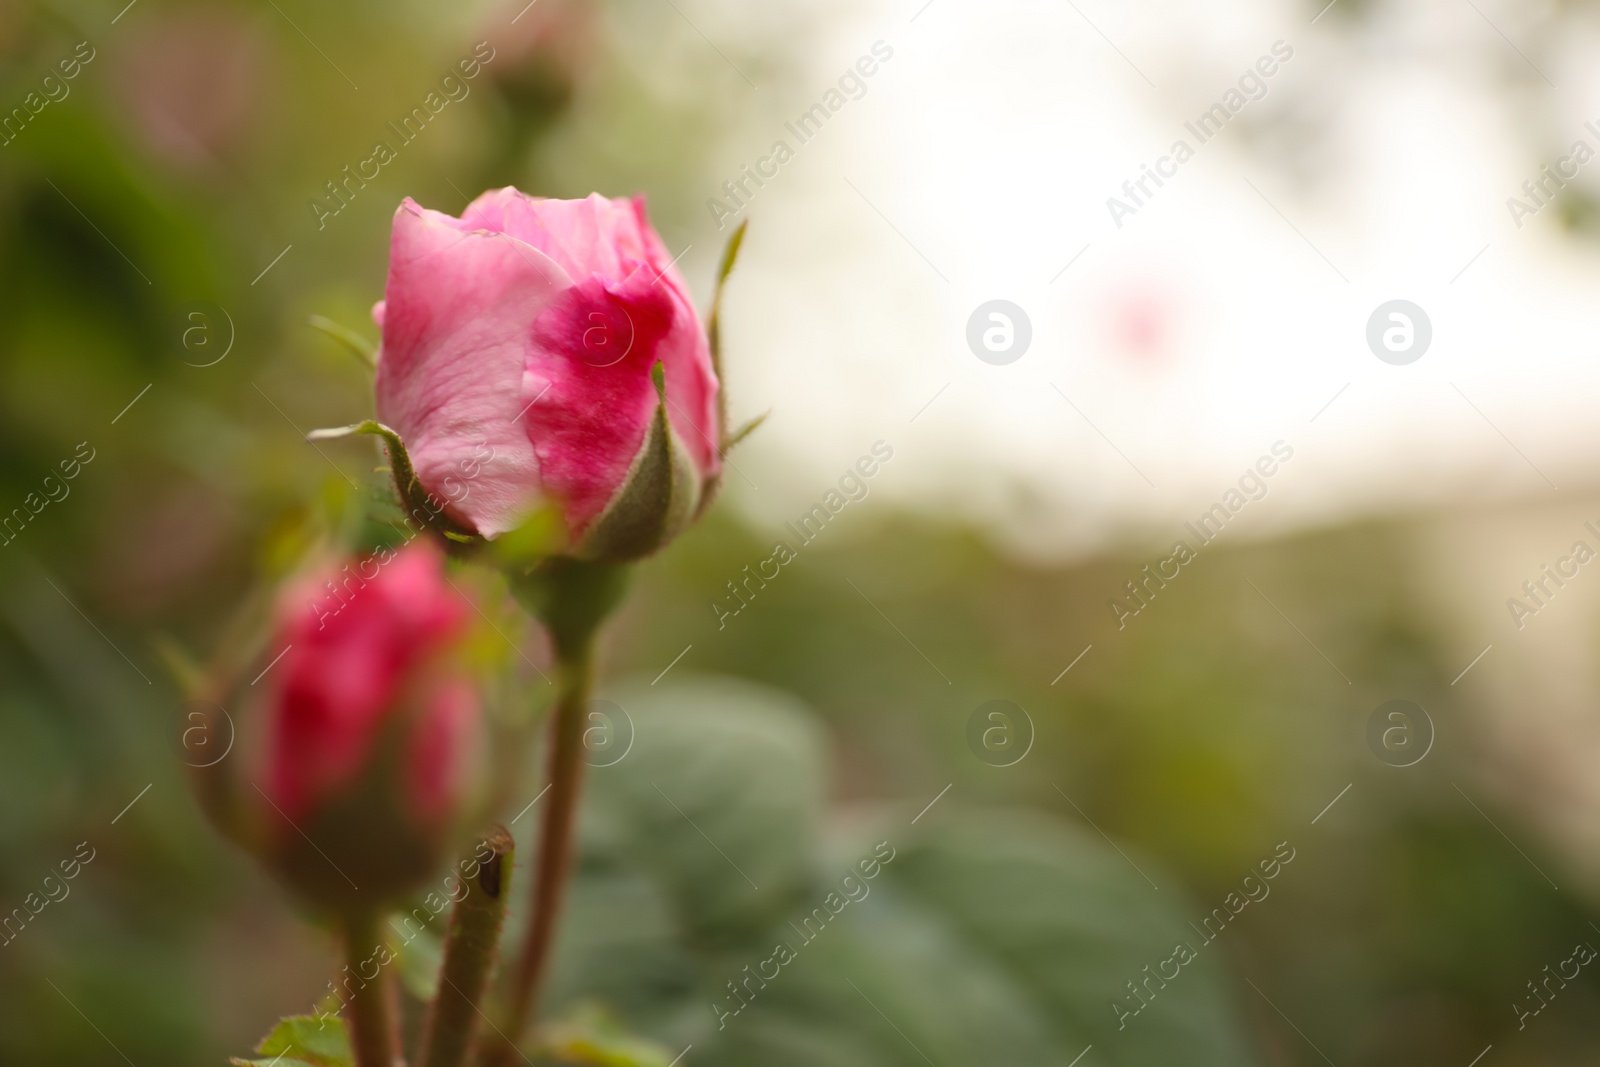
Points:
370	1012
470	951
575	663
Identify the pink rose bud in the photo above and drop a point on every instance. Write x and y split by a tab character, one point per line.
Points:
367	731
547	353
542	53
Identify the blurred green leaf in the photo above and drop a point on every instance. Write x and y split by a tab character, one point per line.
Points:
1064	922
722	792
987	937
348	339
314	1042
543	533
419	960
595	1036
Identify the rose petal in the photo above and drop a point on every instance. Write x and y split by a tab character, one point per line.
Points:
351	640
589	391
450	374
592	236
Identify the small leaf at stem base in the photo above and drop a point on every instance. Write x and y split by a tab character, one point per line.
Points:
304	1040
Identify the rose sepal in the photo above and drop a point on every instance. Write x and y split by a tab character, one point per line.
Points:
657	499
419	505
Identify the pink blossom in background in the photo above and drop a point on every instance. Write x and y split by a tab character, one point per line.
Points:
372	650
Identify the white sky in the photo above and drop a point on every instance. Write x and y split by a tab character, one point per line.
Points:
1203	330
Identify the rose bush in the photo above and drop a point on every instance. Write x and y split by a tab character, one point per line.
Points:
543	381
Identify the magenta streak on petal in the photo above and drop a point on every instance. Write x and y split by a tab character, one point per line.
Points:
595	408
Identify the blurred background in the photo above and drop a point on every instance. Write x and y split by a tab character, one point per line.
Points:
161	170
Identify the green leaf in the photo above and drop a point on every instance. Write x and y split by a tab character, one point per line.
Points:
724	761
348	339
304	1041
418	961
991	936
592	1035
1058	919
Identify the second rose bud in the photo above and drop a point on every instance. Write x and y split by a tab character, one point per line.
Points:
363	739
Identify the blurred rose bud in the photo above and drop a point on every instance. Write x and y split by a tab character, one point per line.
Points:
367	733
542	51
547	352
191	82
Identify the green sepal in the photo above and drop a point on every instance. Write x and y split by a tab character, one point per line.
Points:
744	431
348	339
655	501
730	252
725	441
304	1041
421	506
730	255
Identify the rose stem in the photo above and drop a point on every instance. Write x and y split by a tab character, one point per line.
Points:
470	951
370	1012
575	666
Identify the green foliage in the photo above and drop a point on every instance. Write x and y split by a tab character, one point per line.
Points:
417	962
592	1035
364	351
987	935
304	1041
